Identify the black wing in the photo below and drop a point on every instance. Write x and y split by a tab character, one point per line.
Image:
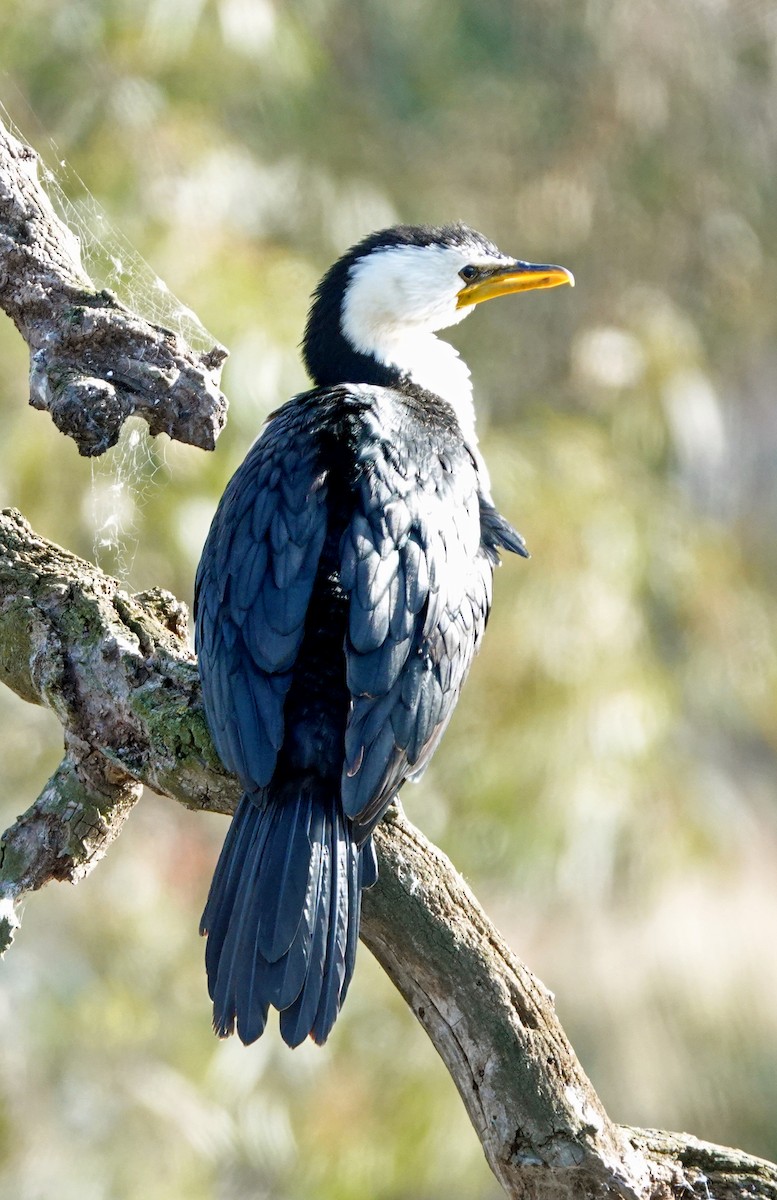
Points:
252	592
419	584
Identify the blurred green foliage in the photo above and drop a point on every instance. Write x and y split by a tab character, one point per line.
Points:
608	784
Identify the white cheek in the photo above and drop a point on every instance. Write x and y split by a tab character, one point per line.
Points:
430	287
370	301
433	309
413	290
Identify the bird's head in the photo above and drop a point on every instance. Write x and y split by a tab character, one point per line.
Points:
378	306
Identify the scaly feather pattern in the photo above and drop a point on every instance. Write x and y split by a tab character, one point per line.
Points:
341	597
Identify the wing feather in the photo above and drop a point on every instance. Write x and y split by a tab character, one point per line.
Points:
253	589
419	587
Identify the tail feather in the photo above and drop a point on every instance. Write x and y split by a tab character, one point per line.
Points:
367	879
225	880
282	917
282	884
227	918
345	865
368	865
298	1019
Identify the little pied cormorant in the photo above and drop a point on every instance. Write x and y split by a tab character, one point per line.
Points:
342	593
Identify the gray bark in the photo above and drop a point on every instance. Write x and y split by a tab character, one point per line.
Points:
93	363
117	671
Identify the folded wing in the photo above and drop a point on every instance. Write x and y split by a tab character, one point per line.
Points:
419	587
252	593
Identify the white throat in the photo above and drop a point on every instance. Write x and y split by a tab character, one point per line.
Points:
436	366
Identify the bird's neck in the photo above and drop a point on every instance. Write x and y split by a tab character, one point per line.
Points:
392	359
437	367
434	365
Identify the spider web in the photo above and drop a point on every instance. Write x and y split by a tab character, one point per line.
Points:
123	480
111	259
124	477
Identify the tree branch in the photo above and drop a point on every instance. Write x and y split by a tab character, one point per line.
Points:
117	671
93	363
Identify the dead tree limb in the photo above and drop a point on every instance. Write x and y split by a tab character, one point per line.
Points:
117	671
93	363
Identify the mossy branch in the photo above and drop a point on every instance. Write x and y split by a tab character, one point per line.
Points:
117	671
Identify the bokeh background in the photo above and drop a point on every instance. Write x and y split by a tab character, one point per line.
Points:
609	783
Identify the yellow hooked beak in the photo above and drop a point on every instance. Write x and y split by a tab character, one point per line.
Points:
514	277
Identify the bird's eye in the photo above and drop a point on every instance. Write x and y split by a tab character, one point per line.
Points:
469	273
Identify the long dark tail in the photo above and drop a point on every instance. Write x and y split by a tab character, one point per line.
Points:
282	916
